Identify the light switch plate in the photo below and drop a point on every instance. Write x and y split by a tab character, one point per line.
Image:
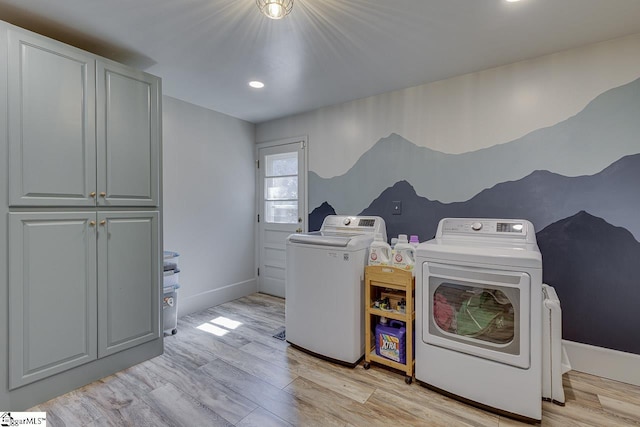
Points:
396	207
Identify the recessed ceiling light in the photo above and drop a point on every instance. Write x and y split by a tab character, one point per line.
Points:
256	84
512	1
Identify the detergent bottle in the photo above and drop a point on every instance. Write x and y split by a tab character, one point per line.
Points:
413	240
379	251
391	340
404	254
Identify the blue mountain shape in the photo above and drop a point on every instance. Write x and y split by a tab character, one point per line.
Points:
593	267
604	131
317	216
541	197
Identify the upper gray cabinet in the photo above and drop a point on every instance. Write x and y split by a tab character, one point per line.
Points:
128	129
51	123
82	131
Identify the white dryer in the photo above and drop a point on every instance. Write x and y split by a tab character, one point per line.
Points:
324	305
478	314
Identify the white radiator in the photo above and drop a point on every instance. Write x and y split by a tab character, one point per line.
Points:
554	357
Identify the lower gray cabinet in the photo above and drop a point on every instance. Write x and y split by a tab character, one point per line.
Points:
128	280
52	294
82	285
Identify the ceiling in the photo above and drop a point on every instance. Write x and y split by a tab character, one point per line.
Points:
326	51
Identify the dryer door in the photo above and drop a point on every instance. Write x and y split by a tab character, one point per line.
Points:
478	311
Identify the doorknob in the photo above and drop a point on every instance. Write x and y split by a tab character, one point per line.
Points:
92	223
299	230
103	222
299	219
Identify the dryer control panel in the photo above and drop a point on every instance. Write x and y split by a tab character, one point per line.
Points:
498	228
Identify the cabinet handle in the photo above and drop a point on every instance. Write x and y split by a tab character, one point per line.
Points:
103	194
92	223
103	222
92	194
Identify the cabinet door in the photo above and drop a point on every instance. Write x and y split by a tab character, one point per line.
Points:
128	280
51	123
52	294
128	123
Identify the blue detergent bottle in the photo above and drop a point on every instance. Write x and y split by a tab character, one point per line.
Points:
391	340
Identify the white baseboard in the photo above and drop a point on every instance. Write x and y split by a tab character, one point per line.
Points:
215	297
603	362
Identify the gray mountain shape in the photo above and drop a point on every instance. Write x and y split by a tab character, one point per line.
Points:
541	197
607	129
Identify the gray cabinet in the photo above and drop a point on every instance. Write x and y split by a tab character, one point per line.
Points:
82	131
82	285
81	206
128	132
128	280
52	293
51	123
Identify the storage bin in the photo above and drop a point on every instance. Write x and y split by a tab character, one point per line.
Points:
170	309
171	277
170	260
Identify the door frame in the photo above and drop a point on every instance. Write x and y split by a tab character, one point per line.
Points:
304	139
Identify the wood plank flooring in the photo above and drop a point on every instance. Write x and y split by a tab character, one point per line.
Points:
224	368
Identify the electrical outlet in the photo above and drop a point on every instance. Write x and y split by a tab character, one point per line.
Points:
396	207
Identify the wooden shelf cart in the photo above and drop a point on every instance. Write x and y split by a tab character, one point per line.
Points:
380	281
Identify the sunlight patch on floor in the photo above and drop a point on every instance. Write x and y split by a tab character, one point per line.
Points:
219	326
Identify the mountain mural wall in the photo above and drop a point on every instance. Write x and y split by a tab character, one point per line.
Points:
593	267
577	181
607	129
541	197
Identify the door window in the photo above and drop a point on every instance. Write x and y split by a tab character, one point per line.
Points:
281	188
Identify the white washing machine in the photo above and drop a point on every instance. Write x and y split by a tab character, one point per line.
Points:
324	306
478	314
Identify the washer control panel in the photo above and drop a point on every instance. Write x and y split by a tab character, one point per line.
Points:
354	225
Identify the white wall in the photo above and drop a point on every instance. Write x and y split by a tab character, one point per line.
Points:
464	113
209	203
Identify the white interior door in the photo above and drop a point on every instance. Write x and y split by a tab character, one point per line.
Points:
281	204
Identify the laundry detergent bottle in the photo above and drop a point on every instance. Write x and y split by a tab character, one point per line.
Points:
404	254
391	340
379	251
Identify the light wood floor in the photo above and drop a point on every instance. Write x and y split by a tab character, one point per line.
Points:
224	368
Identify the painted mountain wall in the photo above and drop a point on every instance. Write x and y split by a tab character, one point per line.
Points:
542	198
593	267
607	129
578	182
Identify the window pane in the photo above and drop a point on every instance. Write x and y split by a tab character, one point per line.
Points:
281	188
281	212
282	164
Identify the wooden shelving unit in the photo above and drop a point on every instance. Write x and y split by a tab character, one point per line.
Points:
379	280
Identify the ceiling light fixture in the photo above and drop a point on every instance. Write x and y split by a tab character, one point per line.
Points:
256	84
275	9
